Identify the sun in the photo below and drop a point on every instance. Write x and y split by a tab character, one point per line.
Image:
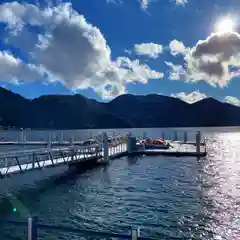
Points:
225	25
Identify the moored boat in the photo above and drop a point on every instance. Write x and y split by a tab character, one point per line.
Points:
157	143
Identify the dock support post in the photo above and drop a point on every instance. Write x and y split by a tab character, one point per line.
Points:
72	140
49	141
205	145
129	150
25	136
135	233
131	144
6	162
163	135
185	139
198	143
175	136
114	140
144	135
105	147
32	228
61	137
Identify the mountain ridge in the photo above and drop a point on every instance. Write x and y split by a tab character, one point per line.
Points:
58	111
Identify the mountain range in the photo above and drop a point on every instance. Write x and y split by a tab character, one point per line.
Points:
125	111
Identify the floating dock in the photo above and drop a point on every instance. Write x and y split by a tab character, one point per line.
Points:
13	162
177	149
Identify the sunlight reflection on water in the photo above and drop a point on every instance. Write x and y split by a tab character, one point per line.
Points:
167	197
221	185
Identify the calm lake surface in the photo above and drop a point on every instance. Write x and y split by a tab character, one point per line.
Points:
168	197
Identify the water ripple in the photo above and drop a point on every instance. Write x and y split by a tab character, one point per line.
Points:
169	198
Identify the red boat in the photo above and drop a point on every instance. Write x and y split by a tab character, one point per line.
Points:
158	143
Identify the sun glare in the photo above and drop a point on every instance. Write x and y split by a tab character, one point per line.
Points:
225	25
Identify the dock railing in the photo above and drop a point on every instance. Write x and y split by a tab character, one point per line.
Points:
188	144
34	228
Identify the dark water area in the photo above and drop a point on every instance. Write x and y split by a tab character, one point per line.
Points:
167	197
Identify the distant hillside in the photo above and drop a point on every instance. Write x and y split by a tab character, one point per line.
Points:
162	111
79	112
56	112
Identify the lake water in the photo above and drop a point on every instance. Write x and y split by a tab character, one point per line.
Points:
168	197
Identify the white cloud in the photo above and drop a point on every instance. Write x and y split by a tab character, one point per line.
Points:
210	60
13	69
151	50
136	72
181	2
144	4
191	97
177	47
232	100
129	52
130	71
69	49
177	71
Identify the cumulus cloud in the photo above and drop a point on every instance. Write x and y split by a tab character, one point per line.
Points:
210	60
151	50
222	44
65	47
191	97
232	100
177	47
13	69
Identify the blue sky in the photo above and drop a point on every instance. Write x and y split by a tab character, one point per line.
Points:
104	48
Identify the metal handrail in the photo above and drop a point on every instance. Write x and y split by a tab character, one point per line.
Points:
33	227
45	150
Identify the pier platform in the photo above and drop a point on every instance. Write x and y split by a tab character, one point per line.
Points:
177	149
21	161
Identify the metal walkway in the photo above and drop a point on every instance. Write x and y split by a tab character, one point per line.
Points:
106	148
22	161
37	143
